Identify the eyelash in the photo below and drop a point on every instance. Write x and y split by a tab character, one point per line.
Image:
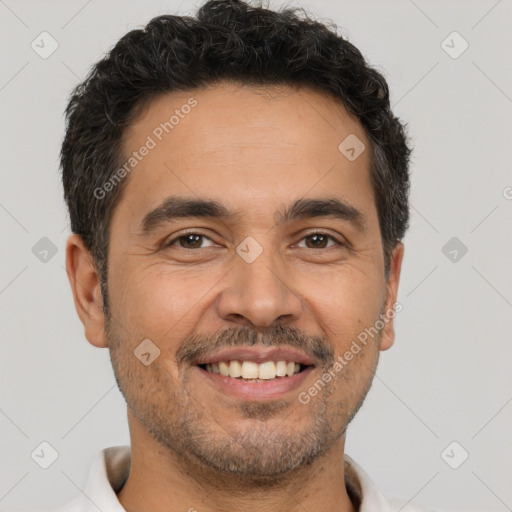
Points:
182	235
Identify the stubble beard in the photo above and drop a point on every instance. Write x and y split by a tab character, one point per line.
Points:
264	455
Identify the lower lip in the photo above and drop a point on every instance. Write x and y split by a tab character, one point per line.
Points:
272	389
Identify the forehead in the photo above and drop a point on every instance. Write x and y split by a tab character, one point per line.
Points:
244	114
244	146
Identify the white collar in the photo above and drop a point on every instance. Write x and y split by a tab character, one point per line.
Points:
111	467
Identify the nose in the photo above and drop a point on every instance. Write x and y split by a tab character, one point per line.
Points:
258	294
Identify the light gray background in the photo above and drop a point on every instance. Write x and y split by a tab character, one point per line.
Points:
448	376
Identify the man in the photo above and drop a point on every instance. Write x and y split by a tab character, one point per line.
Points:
238	192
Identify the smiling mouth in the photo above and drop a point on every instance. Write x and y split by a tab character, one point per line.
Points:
251	371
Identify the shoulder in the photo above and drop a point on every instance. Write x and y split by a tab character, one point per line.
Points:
367	497
107	474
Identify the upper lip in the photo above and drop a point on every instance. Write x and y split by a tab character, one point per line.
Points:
258	355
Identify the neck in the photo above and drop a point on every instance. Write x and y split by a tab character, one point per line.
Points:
161	481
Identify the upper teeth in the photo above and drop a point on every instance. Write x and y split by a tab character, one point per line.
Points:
252	370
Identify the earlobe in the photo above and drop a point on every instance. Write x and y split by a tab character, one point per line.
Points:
85	285
388	331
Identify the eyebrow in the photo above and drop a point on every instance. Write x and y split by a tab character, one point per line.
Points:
180	207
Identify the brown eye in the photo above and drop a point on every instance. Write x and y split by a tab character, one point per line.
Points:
319	241
189	241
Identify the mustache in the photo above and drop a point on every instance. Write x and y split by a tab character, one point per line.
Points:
196	347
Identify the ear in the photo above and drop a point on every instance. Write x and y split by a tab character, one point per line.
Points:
395	266
85	285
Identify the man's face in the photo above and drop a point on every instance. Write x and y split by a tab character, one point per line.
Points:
248	283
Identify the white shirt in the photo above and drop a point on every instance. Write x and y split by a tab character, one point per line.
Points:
111	468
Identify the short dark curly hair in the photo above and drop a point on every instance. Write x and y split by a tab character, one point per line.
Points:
227	40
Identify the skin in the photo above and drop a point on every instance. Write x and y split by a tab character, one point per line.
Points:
254	150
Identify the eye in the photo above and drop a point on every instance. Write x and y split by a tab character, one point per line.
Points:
194	240
319	240
190	240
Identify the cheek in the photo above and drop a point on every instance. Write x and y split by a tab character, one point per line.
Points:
346	301
155	300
